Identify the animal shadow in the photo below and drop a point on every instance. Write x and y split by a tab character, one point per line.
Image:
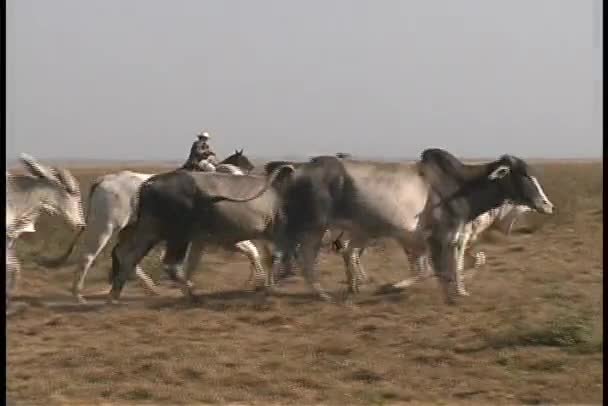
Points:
66	303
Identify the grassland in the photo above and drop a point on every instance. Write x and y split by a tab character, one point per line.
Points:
530	333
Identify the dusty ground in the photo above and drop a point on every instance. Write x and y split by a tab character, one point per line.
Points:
530	333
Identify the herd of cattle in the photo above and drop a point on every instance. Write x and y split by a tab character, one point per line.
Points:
434	209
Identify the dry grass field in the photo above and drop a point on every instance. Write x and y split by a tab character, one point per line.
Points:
531	331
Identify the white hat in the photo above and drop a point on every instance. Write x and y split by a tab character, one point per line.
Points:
204	134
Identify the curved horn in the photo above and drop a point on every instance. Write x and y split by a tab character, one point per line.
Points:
35	168
68	180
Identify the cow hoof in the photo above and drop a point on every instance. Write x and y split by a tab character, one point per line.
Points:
286	277
152	292
191	299
270	290
325	297
450	301
347	298
113	297
259	288
188	296
405	283
15	308
389	288
80	299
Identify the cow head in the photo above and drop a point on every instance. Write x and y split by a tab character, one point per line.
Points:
343	155
239	160
519	184
65	198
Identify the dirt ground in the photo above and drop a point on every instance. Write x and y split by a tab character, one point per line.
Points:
531	331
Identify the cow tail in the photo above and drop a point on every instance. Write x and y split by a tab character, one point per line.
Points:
114	273
269	181
60	260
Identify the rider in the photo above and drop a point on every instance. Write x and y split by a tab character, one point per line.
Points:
201	158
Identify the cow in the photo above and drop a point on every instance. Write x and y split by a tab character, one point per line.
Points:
43	189
287	265
423	206
186	209
112	201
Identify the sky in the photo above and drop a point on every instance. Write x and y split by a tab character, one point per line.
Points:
137	79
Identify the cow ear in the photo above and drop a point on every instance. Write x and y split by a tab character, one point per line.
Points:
35	168
500	172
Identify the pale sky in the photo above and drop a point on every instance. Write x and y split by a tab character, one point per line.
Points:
137	79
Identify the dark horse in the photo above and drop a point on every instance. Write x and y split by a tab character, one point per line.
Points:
237	159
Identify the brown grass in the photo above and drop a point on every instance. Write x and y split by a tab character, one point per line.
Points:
531	332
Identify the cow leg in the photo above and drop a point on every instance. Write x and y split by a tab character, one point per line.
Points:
193	258
14	272
289	258
12	267
266	247
178	252
257	275
461	244
146	282
416	253
349	254
309	250
443	260
353	257
131	248
283	256
359	266
94	243
418	263
479	260
353	275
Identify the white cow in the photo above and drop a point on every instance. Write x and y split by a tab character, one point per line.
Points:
53	190
112	206
501	218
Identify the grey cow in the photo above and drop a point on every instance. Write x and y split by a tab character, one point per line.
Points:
187	212
44	188
112	204
423	206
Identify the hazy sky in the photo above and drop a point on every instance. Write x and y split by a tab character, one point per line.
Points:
136	79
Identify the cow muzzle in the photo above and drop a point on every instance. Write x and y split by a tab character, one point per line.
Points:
545	207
